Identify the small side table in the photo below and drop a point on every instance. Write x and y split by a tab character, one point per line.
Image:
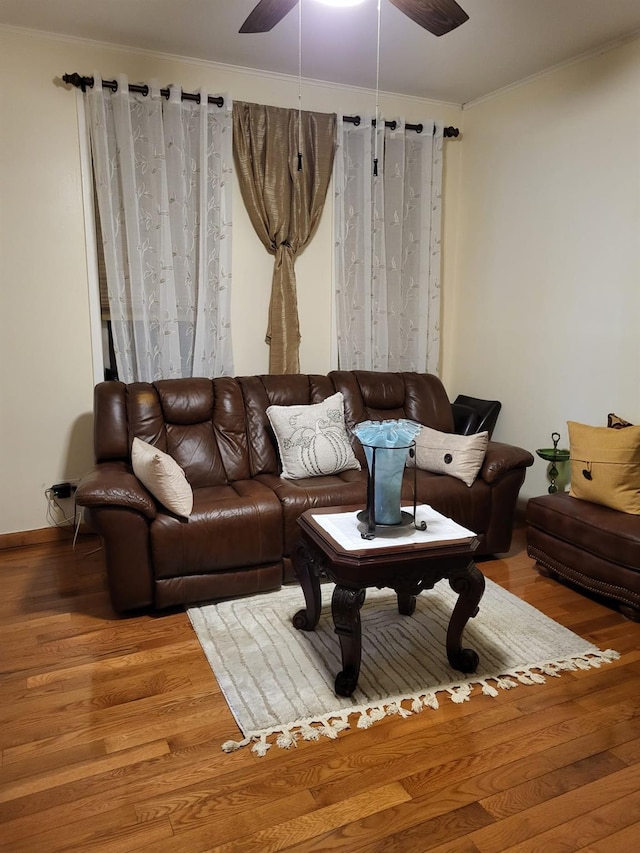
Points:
408	570
553	455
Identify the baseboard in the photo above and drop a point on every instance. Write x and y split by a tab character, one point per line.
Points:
40	536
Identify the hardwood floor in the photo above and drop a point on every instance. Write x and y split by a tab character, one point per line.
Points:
110	733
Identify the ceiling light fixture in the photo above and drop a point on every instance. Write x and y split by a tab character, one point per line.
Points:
341	2
436	16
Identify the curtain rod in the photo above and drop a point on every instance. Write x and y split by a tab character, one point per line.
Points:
447	132
81	82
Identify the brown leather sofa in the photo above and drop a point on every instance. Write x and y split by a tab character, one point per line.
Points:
591	546
242	532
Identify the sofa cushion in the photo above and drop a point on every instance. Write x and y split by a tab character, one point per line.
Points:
376	396
313	439
348	488
460	456
231	527
605	466
199	422
162	476
260	392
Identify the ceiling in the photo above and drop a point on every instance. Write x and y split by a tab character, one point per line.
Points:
503	42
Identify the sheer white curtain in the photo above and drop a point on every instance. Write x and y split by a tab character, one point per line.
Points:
162	173
387	246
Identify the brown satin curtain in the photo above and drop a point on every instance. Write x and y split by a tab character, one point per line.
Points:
284	204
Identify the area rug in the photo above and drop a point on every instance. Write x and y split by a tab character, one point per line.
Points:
278	681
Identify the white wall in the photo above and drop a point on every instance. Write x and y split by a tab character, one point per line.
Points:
546	307
46	378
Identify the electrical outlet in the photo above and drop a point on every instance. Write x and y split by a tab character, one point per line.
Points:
63	490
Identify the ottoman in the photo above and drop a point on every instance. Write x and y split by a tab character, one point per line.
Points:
592	546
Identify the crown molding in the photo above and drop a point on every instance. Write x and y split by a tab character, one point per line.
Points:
220	66
582	57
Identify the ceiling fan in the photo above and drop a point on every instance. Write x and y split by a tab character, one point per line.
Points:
436	16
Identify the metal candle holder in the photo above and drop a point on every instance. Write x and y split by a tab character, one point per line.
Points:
368	515
553	456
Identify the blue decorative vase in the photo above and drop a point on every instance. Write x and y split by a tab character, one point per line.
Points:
386	445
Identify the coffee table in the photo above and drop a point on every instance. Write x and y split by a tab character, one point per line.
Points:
406	567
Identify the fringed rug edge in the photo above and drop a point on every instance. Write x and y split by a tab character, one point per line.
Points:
329	725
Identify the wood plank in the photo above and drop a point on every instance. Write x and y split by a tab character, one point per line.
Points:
621	841
529	822
519	797
315	823
588	828
83	835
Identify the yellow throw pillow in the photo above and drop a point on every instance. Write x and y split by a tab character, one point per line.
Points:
605	466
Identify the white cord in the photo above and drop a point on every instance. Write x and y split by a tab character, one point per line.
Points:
75	535
66	519
66	522
375	139
300	85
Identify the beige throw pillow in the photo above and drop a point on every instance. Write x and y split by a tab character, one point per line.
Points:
460	456
313	439
605	466
162	476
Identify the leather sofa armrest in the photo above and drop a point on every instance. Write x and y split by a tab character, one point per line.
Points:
501	458
113	484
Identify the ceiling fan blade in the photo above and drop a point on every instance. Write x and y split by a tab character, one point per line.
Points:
266	15
437	16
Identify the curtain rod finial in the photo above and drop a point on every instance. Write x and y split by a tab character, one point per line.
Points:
78	81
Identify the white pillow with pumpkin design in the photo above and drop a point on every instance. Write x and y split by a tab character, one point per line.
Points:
312	440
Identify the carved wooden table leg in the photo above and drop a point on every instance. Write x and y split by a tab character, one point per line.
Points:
469	584
345	608
308	565
406	603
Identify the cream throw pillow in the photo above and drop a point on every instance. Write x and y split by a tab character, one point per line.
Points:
460	456
605	466
312	440
162	476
